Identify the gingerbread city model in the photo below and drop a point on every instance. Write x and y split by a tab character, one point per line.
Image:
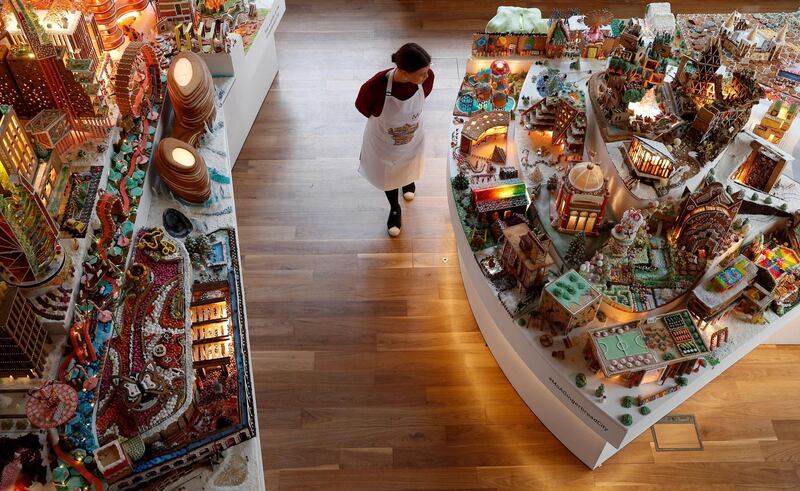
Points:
660	242
125	358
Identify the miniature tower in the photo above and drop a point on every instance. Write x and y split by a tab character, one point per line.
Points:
22	338
46	56
778	42
748	43
29	250
624	233
105	13
730	24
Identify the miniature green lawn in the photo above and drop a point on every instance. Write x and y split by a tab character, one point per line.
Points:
617	346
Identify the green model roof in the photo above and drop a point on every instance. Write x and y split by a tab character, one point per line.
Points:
570	290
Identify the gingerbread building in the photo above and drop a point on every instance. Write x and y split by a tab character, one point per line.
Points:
705	219
763	166
581	200
569	302
524	255
22	337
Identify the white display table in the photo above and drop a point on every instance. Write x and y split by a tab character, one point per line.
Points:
252	75
588	426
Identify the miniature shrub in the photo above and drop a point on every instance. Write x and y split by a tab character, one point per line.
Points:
626	419
682	381
601	389
580	380
644	410
627	401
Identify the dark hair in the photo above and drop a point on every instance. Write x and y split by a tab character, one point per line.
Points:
411	57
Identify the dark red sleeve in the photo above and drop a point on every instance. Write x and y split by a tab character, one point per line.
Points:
427	85
370	97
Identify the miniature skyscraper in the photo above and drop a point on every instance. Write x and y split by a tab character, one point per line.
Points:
22	338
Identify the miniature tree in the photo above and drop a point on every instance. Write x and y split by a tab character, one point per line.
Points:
553	85
644	410
784	206
754	196
575	65
199	249
559	37
601	390
682	381
576	254
460	182
617	25
768	200
627	401
632	95
580	380
626	419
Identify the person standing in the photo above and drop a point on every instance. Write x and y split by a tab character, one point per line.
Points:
393	145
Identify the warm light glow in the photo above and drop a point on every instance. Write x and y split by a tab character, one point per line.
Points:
647	107
130	15
183	72
182	157
502	191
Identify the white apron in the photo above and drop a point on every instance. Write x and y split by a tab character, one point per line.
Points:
393	146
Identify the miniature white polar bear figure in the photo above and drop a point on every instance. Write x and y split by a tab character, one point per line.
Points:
517	19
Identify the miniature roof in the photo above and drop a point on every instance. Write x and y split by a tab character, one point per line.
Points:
647	344
656	147
572	291
44	120
781	36
575	98
731	22
477	125
778	260
586	177
523	240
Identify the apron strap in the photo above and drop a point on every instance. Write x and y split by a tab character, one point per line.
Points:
390	73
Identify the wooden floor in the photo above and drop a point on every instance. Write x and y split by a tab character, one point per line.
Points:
370	371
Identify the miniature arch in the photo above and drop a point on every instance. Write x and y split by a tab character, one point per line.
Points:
131	85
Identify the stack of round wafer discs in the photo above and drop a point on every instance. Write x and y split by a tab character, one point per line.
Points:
183	170
191	91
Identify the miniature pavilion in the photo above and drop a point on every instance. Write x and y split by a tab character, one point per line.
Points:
581	200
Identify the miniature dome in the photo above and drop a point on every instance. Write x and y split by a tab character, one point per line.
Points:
586	177
483	91
500	67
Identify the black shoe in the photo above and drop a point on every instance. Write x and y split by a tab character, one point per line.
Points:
409	191
393	224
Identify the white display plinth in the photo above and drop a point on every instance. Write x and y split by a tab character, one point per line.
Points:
253	73
590	428
570	414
